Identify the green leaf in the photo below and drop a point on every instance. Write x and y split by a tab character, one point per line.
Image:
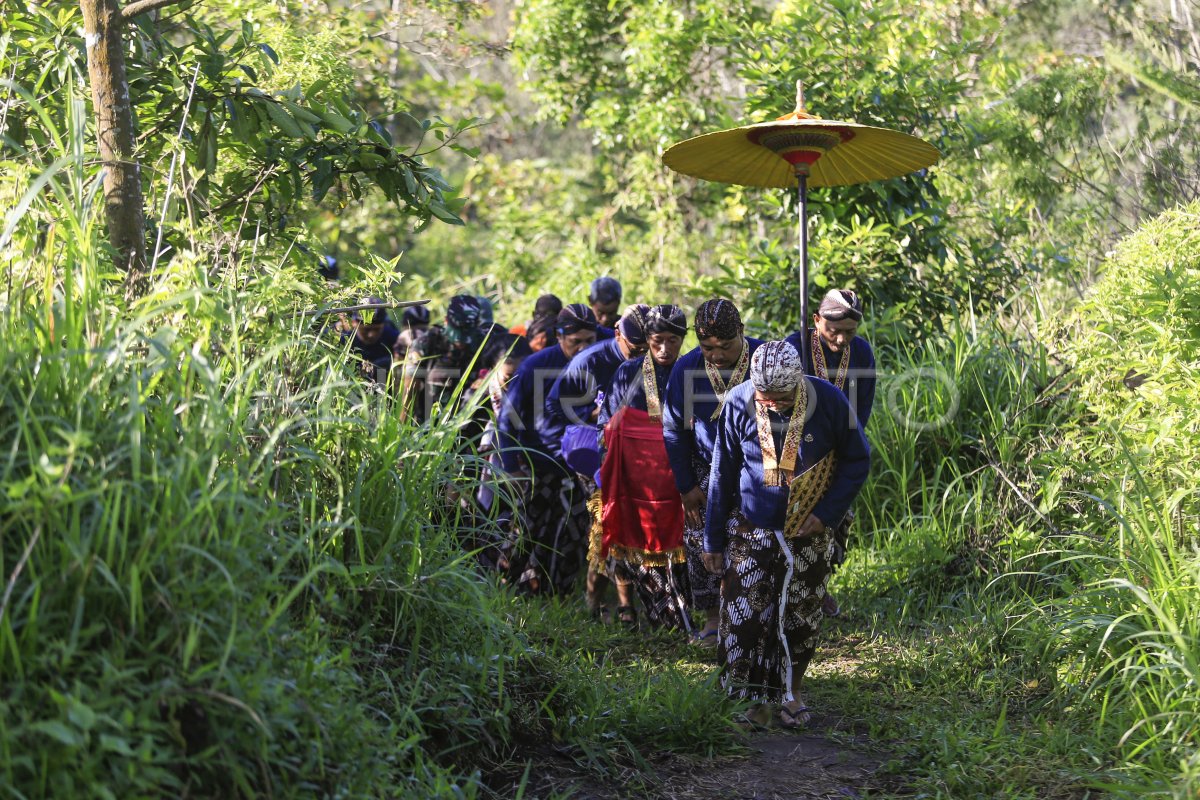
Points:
59	732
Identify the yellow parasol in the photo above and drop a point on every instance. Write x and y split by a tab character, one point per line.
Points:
801	150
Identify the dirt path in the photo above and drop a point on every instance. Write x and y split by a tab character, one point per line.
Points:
820	763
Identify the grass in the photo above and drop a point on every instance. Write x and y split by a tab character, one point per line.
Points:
229	570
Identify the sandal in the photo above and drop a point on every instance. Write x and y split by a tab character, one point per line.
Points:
708	639
794	717
830	607
627	616
601	614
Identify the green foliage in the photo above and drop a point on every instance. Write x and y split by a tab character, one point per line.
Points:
229	570
259	145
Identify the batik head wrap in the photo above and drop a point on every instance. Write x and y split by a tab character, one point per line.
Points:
666	319
719	318
486	312
841	304
463	316
373	316
632	324
576	317
776	367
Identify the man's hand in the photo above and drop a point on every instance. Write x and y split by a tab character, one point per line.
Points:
714	562
810	527
693	506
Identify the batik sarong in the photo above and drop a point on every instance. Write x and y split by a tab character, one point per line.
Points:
661	590
762	648
643	517
705	587
550	544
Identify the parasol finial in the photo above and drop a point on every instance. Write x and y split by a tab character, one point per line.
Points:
799	96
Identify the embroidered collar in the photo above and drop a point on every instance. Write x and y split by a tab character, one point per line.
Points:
778	470
721	387
821	369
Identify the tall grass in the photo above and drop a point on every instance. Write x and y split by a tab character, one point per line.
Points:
229	570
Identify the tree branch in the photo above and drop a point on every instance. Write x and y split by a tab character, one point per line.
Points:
142	6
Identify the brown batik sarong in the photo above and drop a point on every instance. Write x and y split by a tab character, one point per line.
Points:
550	547
705	586
760	647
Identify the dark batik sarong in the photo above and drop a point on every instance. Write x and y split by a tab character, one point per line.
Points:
661	590
550	549
705	586
759	649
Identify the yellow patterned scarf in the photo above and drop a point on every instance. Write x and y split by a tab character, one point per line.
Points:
739	375
653	404
805	492
822	369
778	471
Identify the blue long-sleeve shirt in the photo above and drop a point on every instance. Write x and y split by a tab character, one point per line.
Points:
737	479
522	420
688	428
573	395
628	388
860	380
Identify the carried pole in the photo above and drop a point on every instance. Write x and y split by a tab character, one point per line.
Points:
802	237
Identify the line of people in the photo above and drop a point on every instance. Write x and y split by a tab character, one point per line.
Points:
717	481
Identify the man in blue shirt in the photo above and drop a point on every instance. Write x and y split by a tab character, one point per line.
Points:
699	383
787	463
575	399
839	355
554	516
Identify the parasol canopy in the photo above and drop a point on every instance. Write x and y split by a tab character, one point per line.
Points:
801	150
830	152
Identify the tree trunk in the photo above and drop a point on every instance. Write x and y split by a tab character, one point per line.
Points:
104	35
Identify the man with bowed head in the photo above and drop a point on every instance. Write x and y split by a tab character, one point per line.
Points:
554	517
787	462
699	383
845	359
642	517
604	296
575	399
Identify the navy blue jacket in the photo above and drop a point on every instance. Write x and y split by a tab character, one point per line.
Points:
736	480
688	428
628	388
573	395
860	382
522	420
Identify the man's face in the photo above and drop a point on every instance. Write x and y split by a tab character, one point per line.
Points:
837	335
607	313
630	349
572	343
722	353
780	401
368	333
664	348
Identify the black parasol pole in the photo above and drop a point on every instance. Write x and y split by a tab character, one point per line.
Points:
802	236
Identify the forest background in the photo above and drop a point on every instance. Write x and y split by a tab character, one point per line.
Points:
229	570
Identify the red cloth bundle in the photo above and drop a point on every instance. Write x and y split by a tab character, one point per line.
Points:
643	515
